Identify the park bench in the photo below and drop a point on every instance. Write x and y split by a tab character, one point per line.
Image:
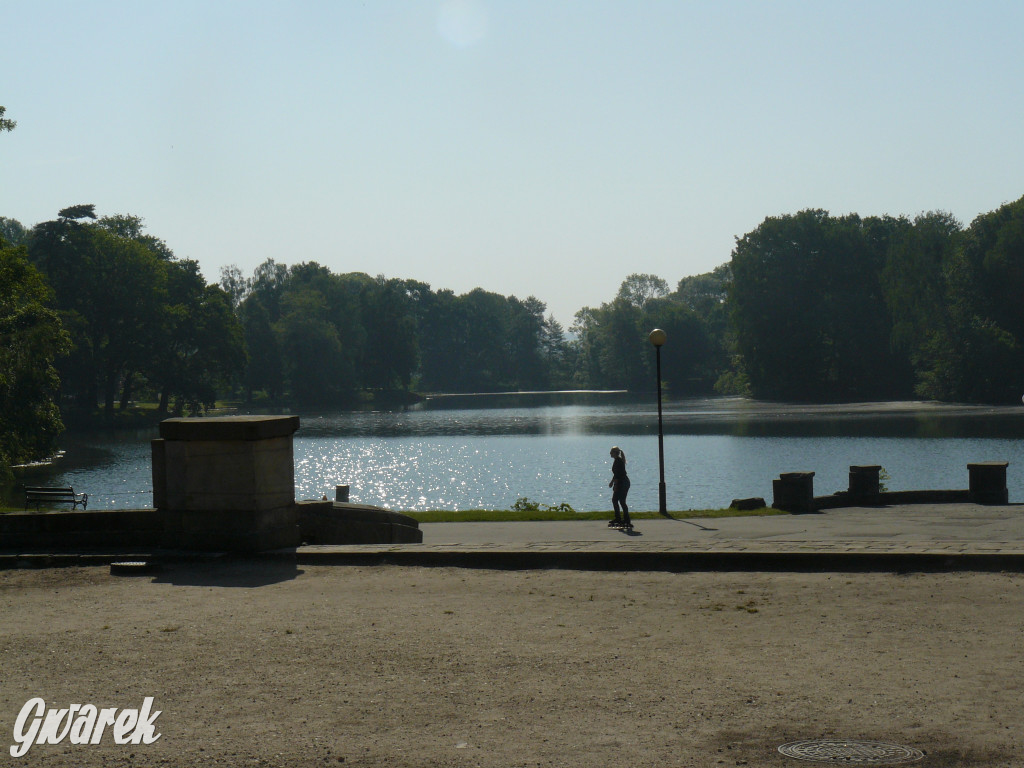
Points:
48	496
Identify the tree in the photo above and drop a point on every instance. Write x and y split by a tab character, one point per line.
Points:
525	343
12	232
264	367
268	282
977	354
108	289
343	300
693	357
258	312
916	291
63	250
482	353
610	346
31	338
808	310
235	285
442	325
586	328
390	352
557	353
638	289
76	212
6	124
311	348
200	346
132	310
130	227
705	294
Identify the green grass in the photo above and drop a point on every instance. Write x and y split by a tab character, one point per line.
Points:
511	515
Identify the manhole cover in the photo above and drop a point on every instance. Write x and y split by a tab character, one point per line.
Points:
130	568
850	752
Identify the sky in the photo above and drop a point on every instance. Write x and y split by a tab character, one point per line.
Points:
547	148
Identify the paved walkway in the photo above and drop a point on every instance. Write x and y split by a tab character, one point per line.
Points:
925	537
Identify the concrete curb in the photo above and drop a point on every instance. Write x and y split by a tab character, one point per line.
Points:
562	559
674	561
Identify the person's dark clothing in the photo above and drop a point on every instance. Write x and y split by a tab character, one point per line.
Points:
620	487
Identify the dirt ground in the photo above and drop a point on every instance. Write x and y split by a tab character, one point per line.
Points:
272	665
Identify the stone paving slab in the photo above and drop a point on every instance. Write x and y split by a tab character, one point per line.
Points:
938	537
912	537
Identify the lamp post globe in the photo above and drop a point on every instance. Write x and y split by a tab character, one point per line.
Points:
657	337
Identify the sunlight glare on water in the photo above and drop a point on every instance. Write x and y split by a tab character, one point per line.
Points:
460	458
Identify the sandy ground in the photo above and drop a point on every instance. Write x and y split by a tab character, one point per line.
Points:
276	666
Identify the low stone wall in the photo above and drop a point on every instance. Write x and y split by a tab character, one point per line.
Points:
794	491
886	498
335	522
137	529
143	530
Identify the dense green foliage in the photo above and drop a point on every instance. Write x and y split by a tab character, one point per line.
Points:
320	338
31	338
809	311
139	320
612	349
827	308
810	307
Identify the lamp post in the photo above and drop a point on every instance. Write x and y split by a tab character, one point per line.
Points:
657	338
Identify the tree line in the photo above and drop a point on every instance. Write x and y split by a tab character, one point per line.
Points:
850	308
95	312
321	338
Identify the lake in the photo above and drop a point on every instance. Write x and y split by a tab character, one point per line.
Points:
485	452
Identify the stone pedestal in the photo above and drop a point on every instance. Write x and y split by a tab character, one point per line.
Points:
226	483
988	482
794	492
864	480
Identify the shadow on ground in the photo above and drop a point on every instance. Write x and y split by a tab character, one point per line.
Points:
228	572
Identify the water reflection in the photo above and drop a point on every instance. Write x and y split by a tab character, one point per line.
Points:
442	454
703	416
702	471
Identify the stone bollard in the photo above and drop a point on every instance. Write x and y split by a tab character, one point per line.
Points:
864	480
988	482
794	492
341	493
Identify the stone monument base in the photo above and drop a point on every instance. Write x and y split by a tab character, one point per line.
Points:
226	483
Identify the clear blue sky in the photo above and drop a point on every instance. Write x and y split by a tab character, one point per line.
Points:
547	148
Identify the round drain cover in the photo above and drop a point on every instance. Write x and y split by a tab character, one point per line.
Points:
847	752
130	568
